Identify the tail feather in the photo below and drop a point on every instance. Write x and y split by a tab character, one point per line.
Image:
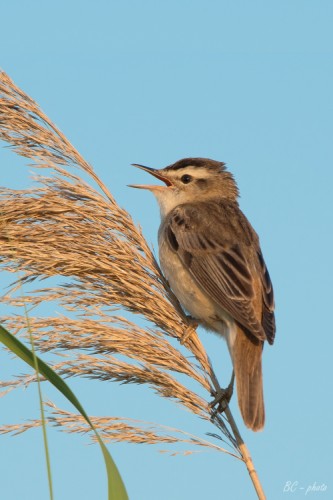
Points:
246	354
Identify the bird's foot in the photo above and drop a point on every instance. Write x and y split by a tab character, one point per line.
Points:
222	397
193	324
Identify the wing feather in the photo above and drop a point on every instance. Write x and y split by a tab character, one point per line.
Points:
222	265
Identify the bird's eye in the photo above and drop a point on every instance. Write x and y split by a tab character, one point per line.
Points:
186	179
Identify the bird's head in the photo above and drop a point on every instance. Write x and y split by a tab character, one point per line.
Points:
190	180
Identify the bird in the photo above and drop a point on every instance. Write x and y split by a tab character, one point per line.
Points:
211	256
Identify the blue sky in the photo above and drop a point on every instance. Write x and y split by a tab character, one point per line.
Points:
248	83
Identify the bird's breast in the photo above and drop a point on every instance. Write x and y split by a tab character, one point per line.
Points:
189	293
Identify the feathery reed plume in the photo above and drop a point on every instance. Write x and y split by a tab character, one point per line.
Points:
118	429
65	227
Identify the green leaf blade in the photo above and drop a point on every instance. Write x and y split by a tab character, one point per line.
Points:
116	487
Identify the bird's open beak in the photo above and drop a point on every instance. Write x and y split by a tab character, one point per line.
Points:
156	173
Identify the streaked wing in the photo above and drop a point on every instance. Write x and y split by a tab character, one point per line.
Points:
268	319
220	266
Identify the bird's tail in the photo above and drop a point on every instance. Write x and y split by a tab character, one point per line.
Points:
246	354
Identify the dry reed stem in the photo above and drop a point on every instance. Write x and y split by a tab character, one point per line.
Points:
64	227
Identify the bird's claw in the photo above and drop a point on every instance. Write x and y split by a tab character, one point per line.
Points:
222	398
193	324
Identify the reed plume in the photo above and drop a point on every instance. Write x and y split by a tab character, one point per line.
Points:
64	227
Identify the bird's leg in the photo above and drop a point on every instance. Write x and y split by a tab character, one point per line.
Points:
223	396
193	324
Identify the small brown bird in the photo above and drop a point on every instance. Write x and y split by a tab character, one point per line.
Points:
211	256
